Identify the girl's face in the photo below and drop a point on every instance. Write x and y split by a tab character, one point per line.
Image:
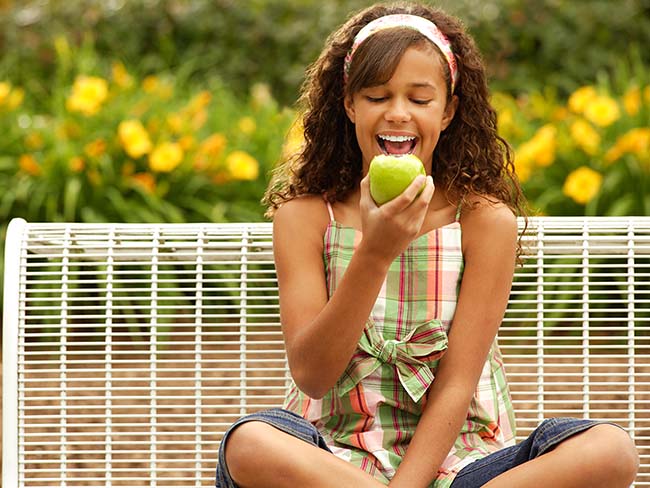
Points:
407	113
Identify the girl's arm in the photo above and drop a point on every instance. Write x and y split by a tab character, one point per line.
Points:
489	247
321	335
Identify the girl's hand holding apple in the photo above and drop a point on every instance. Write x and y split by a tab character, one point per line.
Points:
388	229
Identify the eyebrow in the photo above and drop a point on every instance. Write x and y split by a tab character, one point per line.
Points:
415	84
422	84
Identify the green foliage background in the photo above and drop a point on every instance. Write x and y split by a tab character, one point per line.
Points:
528	44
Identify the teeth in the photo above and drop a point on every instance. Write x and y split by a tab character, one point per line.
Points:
397	138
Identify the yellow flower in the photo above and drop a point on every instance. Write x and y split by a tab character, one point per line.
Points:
247	125
582	185
635	141
29	165
213	145
199	119
134	138
95	148
209	151
12	98
523	168
120	76
242	166
199	102
560	114
76	164
602	111
646	94
5	89
294	140
540	149
88	95
166	157
150	83
146	181
546	141
16	98
187	142
175	122
632	100
585	136
165	90
221	177
34	140
580	98
505	119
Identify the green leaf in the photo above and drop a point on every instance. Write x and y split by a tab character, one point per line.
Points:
89	214
646	204
622	206
70	199
549	197
8	163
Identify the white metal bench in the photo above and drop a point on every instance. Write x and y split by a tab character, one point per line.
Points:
129	349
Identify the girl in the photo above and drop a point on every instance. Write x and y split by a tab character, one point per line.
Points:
390	313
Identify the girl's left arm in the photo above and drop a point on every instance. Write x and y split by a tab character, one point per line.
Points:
489	248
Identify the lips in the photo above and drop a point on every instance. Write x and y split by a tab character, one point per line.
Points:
396	144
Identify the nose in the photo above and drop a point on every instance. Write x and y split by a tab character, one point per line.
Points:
397	111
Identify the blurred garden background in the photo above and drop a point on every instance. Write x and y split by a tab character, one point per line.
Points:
177	110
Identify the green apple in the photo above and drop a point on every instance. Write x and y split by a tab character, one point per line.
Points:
391	175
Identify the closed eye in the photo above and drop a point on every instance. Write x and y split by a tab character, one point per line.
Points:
375	99
421	101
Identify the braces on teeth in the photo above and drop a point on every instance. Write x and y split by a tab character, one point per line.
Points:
397	138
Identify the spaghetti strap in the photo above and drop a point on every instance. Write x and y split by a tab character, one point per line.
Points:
458	209
329	208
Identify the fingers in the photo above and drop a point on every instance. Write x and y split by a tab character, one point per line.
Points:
427	192
365	186
397	221
366	199
410	195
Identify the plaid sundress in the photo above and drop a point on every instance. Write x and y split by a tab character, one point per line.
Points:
369	417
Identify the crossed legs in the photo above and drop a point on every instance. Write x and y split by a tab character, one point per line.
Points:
259	455
602	456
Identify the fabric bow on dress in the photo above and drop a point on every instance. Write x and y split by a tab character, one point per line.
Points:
415	356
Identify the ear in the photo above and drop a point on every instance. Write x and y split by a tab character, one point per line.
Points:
348	103
450	111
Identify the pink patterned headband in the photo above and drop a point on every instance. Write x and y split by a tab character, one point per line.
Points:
425	27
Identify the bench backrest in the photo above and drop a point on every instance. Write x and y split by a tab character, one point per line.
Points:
129	349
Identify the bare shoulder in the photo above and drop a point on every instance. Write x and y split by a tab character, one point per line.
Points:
488	222
301	219
486	211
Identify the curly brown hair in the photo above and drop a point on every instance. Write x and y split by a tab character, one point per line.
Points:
470	157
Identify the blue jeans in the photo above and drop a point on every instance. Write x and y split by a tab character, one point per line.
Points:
283	420
547	435
544	438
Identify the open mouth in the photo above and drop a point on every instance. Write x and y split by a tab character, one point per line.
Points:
396	145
